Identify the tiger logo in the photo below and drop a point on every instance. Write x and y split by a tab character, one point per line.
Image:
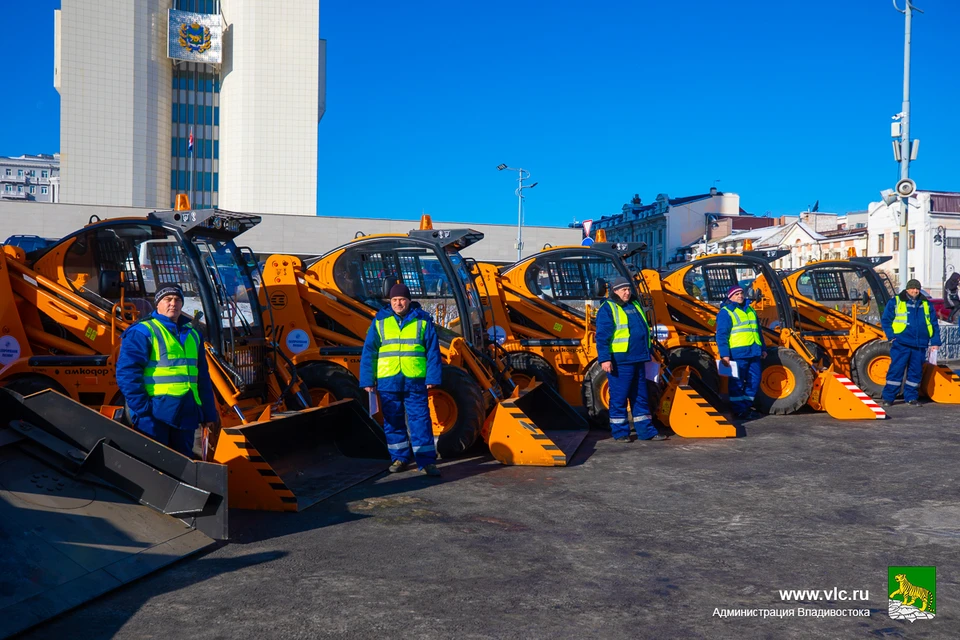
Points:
911	593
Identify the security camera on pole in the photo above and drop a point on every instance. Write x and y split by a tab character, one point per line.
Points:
903	150
523	175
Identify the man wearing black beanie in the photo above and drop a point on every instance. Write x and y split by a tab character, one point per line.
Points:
401	361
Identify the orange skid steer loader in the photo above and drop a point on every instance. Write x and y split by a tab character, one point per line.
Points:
839	304
542	312
63	310
688	299
322	310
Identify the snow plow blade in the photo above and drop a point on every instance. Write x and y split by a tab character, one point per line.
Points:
842	399
687	411
290	461
535	427
88	505
940	384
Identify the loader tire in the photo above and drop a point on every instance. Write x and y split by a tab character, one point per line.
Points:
456	411
30	384
331	379
786	382
870	365
525	366
703	365
595	393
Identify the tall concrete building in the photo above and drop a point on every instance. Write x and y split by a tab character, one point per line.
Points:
219	100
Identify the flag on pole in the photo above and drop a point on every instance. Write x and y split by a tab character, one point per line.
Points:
816	206
190	143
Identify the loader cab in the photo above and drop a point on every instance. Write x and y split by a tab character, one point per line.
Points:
571	278
838	285
132	258
707	280
433	269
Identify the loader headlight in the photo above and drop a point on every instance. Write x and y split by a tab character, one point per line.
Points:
662	332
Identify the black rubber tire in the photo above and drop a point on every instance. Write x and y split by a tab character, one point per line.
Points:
821	358
802	374
591	393
699	361
533	366
466	393
29	384
861	366
334	378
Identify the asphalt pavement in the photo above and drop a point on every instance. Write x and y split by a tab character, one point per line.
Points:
640	540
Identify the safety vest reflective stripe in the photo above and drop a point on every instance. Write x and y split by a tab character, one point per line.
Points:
401	350
743	332
621	332
900	320
172	369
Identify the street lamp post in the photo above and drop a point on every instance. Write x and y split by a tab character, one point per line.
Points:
522	174
906	147
941	239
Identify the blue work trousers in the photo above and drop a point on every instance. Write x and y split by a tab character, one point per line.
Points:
180	440
743	390
904	359
403	409
627	383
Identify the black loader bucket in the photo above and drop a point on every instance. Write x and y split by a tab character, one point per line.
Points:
296	459
554	428
87	505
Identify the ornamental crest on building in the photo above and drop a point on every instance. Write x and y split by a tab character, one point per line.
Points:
194	37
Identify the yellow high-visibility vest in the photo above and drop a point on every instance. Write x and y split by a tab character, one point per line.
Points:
621	334
172	368
900	320
743	332
401	350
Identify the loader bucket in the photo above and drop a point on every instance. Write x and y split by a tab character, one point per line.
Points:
88	505
940	384
843	399
690	415
535	428
296	459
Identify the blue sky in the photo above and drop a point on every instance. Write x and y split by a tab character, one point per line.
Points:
785	103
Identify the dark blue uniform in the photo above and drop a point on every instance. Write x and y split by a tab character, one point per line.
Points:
627	378
169	420
743	389
908	348
404	400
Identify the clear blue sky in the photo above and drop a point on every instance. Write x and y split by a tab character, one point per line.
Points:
785	103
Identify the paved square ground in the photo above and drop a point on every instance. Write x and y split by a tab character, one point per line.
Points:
636	540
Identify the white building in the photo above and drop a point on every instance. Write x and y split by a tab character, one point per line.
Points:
933	243
138	126
30	178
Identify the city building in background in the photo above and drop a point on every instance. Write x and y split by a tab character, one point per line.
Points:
933	243
219	100
30	178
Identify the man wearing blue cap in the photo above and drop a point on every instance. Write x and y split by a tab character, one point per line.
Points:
401	360
162	373
623	348
740	340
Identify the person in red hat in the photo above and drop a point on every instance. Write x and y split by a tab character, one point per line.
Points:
740	340
401	361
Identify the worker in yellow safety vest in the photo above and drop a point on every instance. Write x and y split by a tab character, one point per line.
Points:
162	374
400	362
623	349
910	324
740	342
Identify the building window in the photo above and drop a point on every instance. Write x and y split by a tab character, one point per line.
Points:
44	174
33	189
8	188
19	188
912	240
880	242
896	241
43	191
913	273
9	173
19	173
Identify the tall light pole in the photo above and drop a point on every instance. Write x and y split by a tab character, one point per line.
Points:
941	239
905	187
522	174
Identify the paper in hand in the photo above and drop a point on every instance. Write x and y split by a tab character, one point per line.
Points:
729	371
932	356
374	403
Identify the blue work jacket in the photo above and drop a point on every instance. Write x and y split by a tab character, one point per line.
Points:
725	325
399	382
915	334
638	349
179	413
